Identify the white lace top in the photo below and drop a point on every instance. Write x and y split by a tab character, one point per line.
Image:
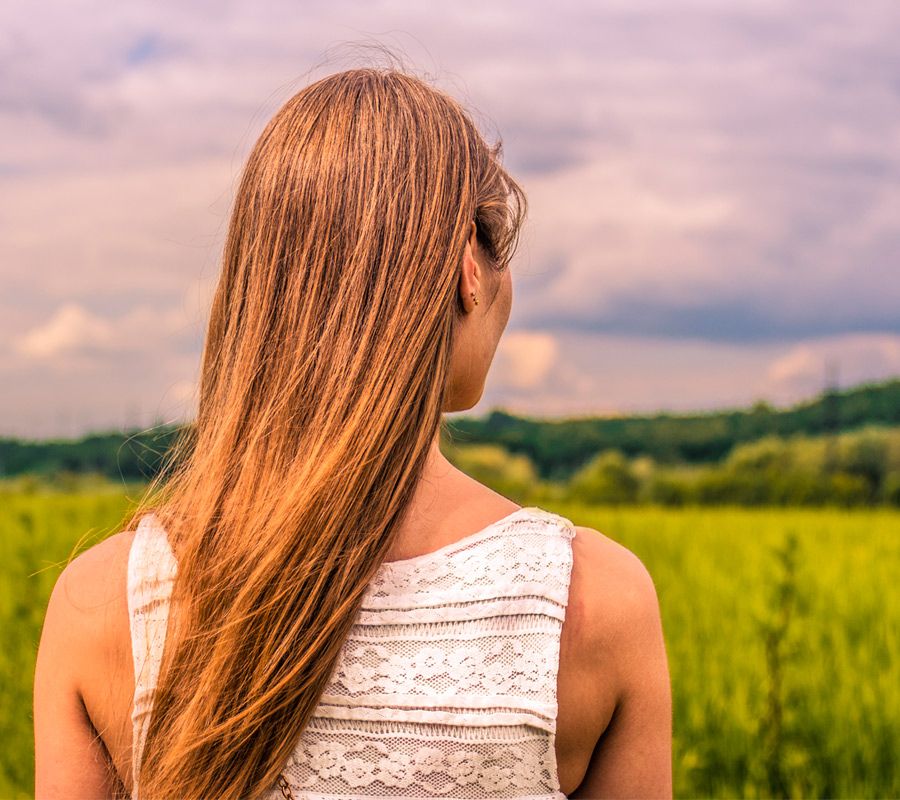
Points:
446	685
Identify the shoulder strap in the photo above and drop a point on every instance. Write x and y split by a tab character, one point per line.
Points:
151	572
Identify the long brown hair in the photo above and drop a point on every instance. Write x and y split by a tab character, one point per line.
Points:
322	385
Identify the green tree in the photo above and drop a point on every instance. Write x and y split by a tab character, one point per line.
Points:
606	478
513	476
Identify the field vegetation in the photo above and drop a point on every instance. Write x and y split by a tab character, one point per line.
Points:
782	624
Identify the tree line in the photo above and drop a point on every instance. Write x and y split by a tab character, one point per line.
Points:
840	447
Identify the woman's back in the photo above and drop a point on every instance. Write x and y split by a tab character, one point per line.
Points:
446	685
609	641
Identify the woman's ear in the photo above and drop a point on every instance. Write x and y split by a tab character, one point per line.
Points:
470	275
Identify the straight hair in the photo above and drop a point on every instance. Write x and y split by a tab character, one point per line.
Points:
322	385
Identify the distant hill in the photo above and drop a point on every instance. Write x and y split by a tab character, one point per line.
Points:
128	456
556	447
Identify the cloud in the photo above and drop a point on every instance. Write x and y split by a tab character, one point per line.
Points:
525	358
73	332
855	358
78	370
604	373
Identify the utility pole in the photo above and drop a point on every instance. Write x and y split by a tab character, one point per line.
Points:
831	414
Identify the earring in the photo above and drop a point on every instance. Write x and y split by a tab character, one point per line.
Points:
474	298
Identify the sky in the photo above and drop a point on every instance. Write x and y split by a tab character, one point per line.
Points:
714	191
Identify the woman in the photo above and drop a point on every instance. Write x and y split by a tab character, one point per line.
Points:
315	602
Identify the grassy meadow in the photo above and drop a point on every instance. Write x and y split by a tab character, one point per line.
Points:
782	629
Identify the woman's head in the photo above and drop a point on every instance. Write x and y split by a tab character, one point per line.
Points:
368	214
369	210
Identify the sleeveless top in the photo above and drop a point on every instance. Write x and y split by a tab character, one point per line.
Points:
445	686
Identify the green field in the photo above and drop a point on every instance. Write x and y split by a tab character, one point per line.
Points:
782	628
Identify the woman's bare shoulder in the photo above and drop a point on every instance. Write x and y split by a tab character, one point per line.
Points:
613	611
617	641
86	578
611	588
83	676
88	604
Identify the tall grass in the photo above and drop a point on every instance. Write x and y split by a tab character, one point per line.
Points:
38	531
782	633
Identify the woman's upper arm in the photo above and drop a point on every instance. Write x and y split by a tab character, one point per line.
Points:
71	760
633	757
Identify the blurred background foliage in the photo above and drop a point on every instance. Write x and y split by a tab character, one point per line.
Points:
842	448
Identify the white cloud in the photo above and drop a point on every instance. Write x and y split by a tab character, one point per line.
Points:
855	358
595	373
524	358
74	331
70	330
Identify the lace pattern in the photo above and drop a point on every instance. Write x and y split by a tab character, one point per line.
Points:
497	762
446	684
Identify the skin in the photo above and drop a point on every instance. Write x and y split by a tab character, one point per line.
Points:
614	721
